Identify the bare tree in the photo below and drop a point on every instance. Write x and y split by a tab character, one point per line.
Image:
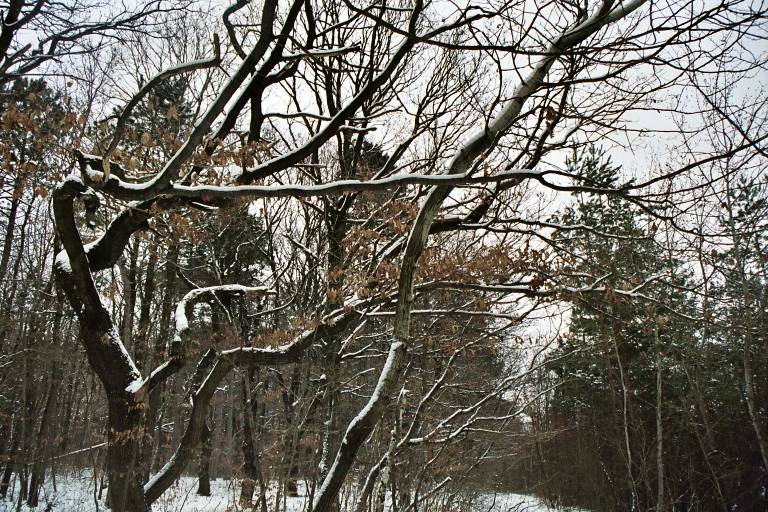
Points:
41	32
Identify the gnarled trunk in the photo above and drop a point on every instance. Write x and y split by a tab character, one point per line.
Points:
126	492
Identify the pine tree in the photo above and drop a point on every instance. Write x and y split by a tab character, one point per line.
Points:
610	365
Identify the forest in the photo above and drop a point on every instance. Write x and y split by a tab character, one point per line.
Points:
385	254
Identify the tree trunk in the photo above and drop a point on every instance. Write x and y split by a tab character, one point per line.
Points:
145	358
204	474
126	492
151	457
25	424
124	421
252	473
129	295
659	425
10	466
40	458
10	232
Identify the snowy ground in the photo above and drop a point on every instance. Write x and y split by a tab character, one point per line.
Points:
75	493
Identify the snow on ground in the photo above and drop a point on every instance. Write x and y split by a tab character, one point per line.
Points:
518	503
74	492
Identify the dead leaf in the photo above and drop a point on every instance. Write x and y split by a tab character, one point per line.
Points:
172	114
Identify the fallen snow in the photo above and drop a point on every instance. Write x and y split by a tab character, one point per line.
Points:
75	493
62	262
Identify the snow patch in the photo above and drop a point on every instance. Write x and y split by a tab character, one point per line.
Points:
62	262
72	178
75	493
134	386
115	338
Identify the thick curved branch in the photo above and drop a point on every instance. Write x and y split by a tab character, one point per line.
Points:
229	11
159	183
106	353
177	352
200	398
72	266
361	427
107	249
93	164
222	364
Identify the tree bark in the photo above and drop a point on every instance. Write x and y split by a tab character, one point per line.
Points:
126	493
251	447
10	232
39	464
204	474
659	424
